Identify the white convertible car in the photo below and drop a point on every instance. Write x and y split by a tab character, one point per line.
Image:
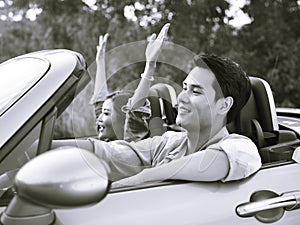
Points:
62	187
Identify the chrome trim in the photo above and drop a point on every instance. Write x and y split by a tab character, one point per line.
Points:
288	200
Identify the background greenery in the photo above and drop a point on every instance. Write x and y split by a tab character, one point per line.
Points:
268	47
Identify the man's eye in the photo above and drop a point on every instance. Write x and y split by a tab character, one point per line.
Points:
195	91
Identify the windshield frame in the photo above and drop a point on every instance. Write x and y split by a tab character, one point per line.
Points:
36	69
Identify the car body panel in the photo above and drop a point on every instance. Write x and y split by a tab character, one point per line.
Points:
15	82
55	88
290	122
12	119
187	202
290	118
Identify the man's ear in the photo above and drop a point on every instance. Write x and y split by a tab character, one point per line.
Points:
225	104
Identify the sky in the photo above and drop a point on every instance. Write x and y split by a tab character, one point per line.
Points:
240	18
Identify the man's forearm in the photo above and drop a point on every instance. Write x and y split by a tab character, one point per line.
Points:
84	144
212	165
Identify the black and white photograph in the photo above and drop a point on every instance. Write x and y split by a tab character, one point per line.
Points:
149	112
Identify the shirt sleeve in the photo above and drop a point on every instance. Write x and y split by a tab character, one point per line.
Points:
243	157
136	123
232	159
125	159
207	165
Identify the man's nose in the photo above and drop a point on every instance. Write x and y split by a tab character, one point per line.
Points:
183	97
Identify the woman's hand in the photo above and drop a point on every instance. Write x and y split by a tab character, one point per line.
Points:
100	87
155	44
101	48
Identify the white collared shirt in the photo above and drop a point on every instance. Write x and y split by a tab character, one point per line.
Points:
165	157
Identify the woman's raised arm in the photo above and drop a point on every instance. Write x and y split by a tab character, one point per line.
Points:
100	88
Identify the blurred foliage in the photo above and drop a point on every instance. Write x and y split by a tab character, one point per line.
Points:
269	47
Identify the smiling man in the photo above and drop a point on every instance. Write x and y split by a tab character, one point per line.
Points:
213	93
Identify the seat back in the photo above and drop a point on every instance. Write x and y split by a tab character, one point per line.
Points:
260	107
258	119
163	101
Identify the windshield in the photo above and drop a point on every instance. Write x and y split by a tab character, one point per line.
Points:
17	77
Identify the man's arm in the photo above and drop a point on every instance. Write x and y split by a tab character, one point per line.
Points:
124	159
84	144
208	165
152	52
233	159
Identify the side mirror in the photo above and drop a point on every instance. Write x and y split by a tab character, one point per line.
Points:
62	178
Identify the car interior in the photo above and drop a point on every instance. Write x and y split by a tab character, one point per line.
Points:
257	120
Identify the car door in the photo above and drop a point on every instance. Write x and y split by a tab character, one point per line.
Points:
199	202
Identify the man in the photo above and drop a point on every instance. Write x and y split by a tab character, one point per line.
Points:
213	93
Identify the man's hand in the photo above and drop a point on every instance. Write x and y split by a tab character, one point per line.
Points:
155	44
101	48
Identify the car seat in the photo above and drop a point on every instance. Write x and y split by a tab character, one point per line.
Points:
258	121
163	99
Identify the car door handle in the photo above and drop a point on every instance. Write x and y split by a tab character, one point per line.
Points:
288	201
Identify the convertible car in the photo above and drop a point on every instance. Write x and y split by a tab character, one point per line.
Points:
70	186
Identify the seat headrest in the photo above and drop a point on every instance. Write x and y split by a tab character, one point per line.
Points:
163	101
260	107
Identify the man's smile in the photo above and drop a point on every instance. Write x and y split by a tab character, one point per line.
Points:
183	109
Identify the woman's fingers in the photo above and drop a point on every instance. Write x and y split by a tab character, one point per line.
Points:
100	40
163	32
105	37
153	37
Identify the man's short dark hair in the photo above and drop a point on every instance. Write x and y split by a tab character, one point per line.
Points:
231	78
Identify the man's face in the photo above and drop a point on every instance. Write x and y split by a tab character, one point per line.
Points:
104	121
196	102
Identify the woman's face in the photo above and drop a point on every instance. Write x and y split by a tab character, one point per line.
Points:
104	122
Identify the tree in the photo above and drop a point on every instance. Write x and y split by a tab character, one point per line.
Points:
270	46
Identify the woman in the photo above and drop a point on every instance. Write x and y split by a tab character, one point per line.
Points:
116	122
120	116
